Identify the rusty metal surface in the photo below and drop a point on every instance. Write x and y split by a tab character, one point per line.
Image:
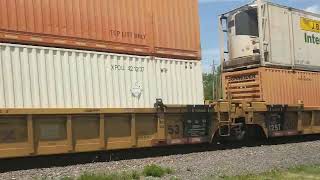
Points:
167	28
274	86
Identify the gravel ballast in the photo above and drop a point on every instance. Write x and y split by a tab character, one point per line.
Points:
196	165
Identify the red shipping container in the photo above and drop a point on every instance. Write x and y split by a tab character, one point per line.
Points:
274	86
168	28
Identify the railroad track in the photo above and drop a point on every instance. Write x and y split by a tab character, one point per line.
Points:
26	163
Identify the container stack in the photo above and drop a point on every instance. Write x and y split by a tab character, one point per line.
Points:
99	54
273	55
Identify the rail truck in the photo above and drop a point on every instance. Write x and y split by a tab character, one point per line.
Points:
81	79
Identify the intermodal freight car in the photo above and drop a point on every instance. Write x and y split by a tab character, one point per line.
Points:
33	132
59	100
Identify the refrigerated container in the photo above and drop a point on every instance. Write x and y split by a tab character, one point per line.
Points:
268	34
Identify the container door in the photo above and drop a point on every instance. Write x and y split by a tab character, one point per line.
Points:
280	41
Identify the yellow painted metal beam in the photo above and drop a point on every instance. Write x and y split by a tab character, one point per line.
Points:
30	128
79	111
70	137
133	131
161	127
102	131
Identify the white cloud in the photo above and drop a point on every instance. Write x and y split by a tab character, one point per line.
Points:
313	9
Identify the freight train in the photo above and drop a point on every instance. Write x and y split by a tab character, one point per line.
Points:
76	78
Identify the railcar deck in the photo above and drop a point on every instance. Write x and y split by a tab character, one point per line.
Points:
35	132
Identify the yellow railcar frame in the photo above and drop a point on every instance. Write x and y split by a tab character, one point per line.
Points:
144	127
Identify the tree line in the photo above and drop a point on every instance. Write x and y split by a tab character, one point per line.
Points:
212	85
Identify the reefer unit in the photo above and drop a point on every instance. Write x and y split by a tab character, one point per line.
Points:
43	77
268	34
166	28
273	86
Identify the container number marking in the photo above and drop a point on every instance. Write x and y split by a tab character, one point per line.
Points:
275	127
129	68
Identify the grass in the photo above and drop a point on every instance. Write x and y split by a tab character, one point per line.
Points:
296	173
156	171
150	170
114	176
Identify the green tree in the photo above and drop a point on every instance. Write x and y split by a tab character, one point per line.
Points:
210	81
208	86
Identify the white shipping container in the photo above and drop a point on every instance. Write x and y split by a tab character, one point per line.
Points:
269	34
42	77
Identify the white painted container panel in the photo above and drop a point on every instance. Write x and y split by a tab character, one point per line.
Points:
280	42
41	77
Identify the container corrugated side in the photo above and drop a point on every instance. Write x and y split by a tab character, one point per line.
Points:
274	86
42	77
162	27
176	27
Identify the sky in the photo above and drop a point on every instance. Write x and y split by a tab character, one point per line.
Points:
210	10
